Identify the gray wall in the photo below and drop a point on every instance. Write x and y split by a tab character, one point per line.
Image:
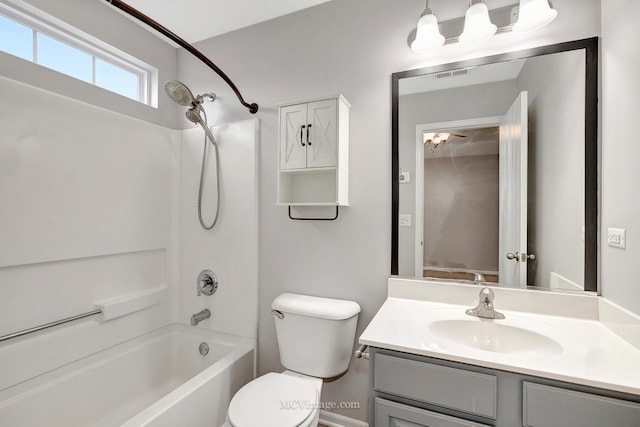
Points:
556	165
469	102
461	213
349	47
620	154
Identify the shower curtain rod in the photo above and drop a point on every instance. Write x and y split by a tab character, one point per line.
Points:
253	108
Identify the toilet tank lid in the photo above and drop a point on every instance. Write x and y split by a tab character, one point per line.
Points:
324	308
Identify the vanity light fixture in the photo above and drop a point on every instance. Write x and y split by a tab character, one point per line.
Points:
531	15
534	14
427	32
477	24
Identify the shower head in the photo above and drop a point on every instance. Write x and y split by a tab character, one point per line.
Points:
193	115
180	93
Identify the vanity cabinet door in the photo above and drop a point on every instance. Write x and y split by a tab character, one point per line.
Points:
393	414
545	406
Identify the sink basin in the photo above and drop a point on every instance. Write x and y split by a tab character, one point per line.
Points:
488	335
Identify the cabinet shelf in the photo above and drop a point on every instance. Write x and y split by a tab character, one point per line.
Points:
306	171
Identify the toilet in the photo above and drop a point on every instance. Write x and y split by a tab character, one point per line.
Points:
315	341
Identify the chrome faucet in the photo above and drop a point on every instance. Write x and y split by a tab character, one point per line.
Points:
478	278
485	306
200	316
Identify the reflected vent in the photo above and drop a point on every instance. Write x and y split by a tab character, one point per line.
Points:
450	74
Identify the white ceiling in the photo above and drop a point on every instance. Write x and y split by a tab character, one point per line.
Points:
196	20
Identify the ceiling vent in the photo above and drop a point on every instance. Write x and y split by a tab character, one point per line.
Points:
449	74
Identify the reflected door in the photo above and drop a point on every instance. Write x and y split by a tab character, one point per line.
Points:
512	243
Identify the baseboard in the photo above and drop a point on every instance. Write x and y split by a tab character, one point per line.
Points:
330	419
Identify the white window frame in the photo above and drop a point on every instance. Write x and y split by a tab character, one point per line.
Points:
40	22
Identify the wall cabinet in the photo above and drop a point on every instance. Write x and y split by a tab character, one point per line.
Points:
313	168
415	391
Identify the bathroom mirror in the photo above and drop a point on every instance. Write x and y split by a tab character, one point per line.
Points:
495	169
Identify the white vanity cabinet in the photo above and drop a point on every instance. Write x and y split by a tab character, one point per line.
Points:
408	390
313	168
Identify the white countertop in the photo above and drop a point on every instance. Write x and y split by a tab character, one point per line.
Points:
591	353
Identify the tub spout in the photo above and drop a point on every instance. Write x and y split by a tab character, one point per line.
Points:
200	316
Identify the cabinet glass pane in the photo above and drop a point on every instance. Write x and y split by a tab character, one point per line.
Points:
116	79
16	39
64	58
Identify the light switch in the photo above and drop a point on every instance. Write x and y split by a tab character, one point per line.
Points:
617	238
405	177
405	220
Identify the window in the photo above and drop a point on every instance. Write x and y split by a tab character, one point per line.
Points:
55	45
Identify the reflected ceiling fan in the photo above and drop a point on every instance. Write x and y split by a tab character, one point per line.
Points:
437	138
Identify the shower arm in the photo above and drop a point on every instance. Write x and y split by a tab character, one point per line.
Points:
253	108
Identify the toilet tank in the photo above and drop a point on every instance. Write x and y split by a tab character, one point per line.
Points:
315	335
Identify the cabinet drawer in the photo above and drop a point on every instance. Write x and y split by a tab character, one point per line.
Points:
465	391
393	414
545	406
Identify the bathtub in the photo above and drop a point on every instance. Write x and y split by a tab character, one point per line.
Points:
159	379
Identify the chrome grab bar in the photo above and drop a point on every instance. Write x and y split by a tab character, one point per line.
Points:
360	352
50	325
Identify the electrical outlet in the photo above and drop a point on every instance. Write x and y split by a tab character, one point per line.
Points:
405	220
617	238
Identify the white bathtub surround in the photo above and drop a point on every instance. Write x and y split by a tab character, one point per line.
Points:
159	379
230	249
102	212
89	214
586	351
132	302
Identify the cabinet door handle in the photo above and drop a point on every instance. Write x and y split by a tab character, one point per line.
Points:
308	127
301	130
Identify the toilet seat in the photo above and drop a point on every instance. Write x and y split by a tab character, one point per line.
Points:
277	400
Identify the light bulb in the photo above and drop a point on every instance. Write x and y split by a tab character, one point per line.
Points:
427	34
477	25
427	136
533	15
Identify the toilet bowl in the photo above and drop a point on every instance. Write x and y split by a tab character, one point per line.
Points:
315	341
277	400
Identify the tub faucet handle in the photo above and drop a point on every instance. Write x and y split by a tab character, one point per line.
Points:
207	283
